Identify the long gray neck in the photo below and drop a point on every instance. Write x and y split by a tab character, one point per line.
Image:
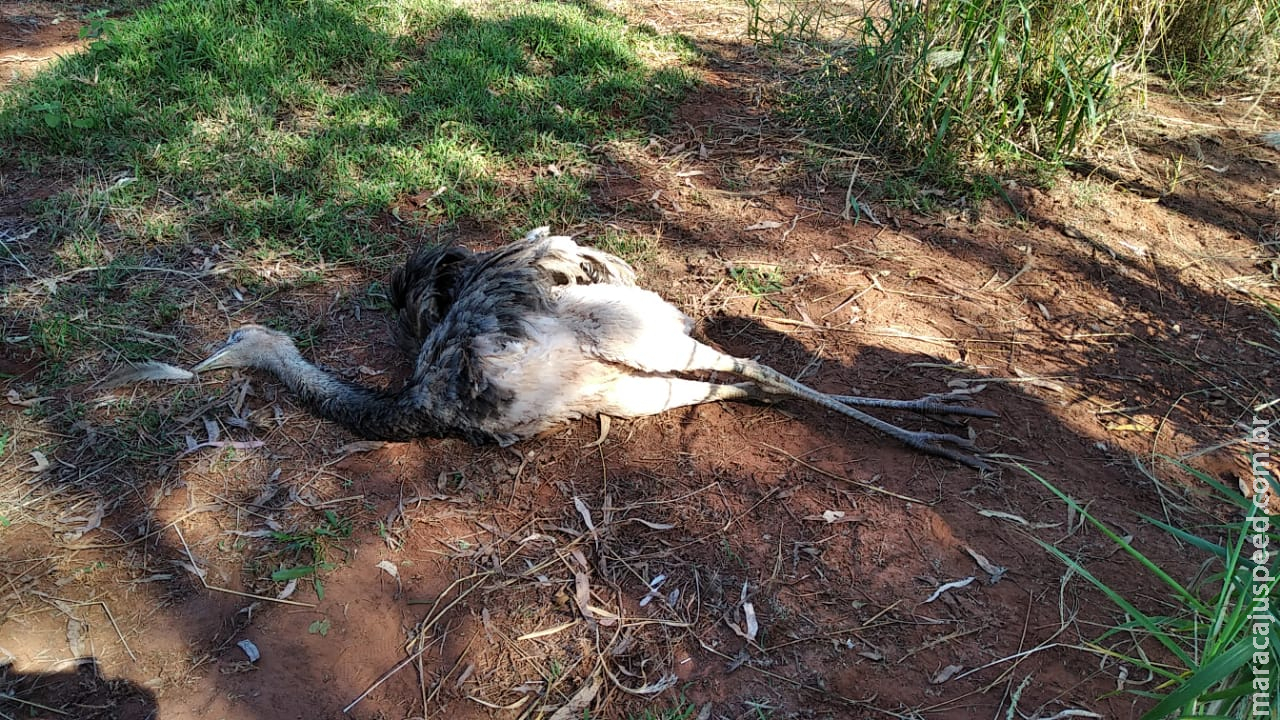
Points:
367	412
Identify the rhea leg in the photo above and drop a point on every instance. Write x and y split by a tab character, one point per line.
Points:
641	395
927	406
691	355
637	328
930	442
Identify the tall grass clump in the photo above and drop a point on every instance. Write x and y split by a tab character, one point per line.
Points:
946	84
1212	648
1208	42
781	21
954	89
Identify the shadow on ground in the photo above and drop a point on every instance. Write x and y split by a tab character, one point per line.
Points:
82	692
525	578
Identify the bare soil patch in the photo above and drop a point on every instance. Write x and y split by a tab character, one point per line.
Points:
35	34
1110	320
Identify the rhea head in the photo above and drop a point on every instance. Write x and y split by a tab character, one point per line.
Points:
252	346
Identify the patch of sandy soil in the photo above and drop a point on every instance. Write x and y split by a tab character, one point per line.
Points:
1109	320
34	34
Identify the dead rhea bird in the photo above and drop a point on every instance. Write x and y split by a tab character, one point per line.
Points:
511	342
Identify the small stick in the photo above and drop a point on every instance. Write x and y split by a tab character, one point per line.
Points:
833	476
852	298
119	634
385	676
1025	267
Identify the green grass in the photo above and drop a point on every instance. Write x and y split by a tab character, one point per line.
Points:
781	21
300	125
57	335
1206	44
293	134
312	546
112	310
760	282
955	88
681	710
757	280
632	247
952	91
1218	633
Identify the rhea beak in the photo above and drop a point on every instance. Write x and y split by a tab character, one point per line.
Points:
214	361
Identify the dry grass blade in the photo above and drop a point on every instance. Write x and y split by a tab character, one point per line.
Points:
581	700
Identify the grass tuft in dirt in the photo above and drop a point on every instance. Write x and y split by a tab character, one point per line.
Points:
958	90
310	548
1201	648
1199	43
943	85
760	281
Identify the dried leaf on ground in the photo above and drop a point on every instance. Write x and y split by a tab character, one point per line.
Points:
950	586
996	572
945	674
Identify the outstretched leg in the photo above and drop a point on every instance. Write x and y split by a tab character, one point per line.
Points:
640	395
637	328
925	406
930	442
684	354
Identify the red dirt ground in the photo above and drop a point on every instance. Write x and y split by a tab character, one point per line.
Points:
34	34
1106	320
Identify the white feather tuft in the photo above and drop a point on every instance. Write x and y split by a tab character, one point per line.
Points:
149	371
537	233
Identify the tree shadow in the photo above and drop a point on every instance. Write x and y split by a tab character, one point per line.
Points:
773	486
389	108
82	692
1154	327
912	517
1256	223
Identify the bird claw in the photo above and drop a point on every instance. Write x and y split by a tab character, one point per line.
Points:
950	439
936	444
